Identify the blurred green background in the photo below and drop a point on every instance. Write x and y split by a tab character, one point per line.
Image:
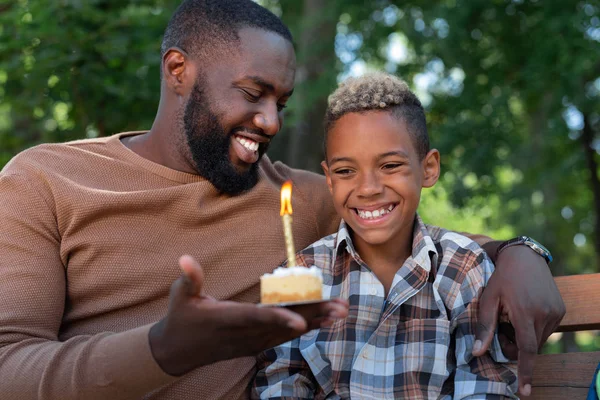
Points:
511	89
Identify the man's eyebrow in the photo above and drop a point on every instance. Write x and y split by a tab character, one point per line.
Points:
261	82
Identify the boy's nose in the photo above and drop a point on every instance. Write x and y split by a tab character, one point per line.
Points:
369	185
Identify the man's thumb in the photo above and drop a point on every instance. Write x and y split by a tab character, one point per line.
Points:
487	318
194	276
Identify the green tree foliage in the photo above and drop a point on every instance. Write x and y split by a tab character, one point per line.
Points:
512	90
515	95
72	69
505	83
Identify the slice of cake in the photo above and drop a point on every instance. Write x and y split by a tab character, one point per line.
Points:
291	284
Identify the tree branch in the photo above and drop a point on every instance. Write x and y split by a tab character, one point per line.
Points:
5	7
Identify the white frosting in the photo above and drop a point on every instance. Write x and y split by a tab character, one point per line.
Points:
289	271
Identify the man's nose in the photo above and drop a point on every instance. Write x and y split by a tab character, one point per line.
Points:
369	184
268	119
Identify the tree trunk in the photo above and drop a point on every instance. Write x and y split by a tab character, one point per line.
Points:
538	123
315	79
568	344
587	138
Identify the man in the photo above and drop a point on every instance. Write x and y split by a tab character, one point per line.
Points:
92	231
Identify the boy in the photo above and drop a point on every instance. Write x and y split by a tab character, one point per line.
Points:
413	289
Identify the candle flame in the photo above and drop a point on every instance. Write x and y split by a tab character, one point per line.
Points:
286	198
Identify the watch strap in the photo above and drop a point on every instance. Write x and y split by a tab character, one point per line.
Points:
529	242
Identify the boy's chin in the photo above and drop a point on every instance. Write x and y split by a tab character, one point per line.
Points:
373	238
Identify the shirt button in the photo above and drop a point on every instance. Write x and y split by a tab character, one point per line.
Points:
374	291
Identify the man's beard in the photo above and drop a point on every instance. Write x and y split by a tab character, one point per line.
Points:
209	145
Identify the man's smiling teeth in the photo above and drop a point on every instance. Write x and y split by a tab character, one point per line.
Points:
247	143
375	213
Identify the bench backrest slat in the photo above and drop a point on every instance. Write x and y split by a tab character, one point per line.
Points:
569	375
581	294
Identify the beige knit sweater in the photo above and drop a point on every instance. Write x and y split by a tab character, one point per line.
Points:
90	234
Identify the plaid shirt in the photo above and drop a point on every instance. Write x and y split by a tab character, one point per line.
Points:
415	344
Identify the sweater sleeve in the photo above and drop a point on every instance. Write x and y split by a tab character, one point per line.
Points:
34	363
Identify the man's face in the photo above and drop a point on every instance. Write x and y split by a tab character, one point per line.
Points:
375	177
236	107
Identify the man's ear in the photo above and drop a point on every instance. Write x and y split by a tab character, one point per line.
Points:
177	71
327	175
431	168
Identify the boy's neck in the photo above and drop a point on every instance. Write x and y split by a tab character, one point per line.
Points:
386	259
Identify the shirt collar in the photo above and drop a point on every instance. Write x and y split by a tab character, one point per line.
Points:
424	252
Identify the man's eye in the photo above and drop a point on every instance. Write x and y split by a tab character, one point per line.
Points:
280	107
250	96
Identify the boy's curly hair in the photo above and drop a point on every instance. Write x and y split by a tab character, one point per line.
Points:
379	91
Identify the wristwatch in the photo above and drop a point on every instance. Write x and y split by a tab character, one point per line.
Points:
529	242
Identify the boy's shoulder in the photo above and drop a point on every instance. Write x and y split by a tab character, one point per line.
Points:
447	240
462	267
457	255
326	246
321	253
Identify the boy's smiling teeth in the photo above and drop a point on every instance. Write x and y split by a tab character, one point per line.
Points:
375	213
247	143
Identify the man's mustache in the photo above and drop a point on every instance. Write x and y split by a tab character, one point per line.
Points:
258	132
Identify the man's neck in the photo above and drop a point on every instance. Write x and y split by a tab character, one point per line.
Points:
159	147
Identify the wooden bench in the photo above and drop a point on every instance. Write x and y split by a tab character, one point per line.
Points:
569	375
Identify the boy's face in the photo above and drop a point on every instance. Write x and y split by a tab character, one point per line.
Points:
375	176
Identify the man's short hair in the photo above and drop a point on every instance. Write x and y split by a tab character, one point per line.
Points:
379	91
204	27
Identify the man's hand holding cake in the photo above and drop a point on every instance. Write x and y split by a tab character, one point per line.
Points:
200	330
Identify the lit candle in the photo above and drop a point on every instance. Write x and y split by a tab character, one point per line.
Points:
286	216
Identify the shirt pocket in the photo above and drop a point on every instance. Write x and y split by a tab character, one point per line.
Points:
422	347
423	331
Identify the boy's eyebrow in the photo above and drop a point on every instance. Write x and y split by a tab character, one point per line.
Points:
339	159
379	157
393	153
261	82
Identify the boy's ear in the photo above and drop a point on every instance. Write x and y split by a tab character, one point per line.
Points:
327	175
431	168
177	71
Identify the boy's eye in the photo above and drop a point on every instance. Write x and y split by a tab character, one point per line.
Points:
280	107
391	166
343	171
